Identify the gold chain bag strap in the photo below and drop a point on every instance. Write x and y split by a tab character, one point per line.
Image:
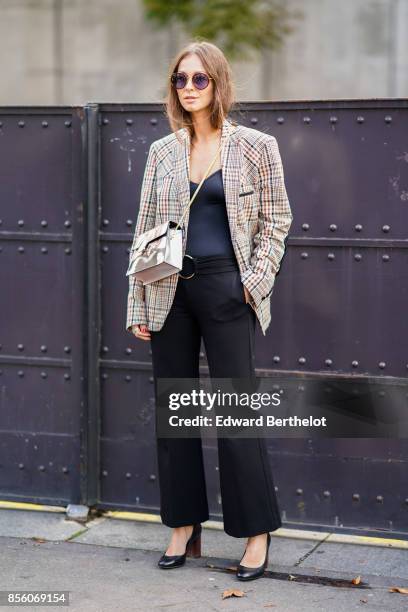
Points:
158	253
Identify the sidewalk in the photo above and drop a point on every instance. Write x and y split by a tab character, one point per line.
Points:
109	564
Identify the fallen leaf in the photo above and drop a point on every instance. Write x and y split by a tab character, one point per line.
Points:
292	577
356	580
232	593
39	540
401	590
364	600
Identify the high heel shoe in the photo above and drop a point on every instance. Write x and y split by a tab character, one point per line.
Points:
250	573
193	549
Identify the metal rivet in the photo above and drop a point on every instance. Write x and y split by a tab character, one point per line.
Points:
302	360
326	493
358	257
354	364
65	470
388	119
128	475
306	120
299	491
105	349
105	121
20	222
386	258
68	251
44	250
129	121
129	222
386	228
44	123
41	468
151	379
104	472
67	376
332	227
152	477
304	255
21	466
68	123
333	119
128	378
67	349
104	376
44	375
360	119
331	256
254	120
280	120
21	123
105	249
67	223
153	121
276	359
328	362
44	223
128	351
305	227
105	222
21	249
358	227
382	365
356	496
43	348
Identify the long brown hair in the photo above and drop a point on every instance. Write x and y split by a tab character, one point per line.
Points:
217	66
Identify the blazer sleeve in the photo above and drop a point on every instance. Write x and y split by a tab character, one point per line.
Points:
136	307
275	219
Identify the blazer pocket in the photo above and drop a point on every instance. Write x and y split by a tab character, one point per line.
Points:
246	193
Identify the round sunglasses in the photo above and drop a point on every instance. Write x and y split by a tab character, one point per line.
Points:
200	80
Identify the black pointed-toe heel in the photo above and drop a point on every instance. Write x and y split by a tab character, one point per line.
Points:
193	549
250	573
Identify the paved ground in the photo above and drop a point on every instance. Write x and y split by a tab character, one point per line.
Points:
110	564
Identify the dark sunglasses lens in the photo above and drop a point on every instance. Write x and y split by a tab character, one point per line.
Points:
200	81
178	80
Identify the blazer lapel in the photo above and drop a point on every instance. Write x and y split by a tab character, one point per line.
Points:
231	163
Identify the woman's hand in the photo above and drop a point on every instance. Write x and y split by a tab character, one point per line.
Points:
141	332
248	297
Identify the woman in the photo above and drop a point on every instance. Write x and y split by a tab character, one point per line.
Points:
237	226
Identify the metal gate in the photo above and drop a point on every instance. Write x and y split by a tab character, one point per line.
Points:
338	307
42	300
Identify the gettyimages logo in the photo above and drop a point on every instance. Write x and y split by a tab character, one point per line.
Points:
281	406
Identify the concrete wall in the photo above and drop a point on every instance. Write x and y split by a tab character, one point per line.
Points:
76	51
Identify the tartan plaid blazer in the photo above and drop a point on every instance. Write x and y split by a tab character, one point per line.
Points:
258	209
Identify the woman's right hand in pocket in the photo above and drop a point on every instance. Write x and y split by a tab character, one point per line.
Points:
141	332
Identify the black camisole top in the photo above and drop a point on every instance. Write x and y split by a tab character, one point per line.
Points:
208	228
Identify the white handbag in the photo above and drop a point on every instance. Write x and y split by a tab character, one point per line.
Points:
159	251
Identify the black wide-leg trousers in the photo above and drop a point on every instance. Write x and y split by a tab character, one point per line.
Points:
212	306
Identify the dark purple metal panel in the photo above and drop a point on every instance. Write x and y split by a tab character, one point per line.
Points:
337	308
42	276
